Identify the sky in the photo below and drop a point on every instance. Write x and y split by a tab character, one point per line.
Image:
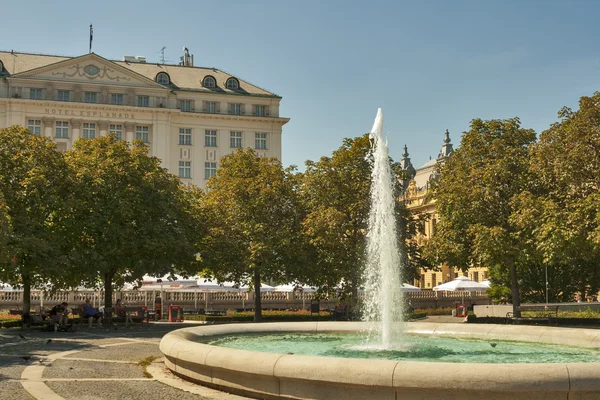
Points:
430	65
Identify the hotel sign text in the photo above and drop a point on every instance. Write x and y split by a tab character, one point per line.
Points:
99	114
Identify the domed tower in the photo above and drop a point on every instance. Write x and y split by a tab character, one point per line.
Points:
447	148
408	170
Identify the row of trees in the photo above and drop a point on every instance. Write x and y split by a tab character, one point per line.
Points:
102	213
106	213
525	206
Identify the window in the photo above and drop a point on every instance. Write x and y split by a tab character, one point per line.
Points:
35	126
162	78
210	138
89	130
185	169
211	107
185	136
143	101
235	140
116	99
233	84
63	95
235	108
433	225
210	169
433	279
209	82
141	133
35	94
62	130
117	130
260	111
260	141
89	97
185	105
476	276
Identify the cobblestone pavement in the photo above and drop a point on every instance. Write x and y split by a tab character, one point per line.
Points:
92	364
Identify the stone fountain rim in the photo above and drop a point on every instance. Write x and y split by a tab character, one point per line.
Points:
270	375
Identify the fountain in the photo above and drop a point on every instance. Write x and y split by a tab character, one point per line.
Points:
280	372
383	298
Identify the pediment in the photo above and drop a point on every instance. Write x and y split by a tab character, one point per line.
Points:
89	68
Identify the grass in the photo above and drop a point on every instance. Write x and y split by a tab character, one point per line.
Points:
145	363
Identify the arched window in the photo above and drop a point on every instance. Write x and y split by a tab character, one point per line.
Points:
209	82
233	84
1	66
163	78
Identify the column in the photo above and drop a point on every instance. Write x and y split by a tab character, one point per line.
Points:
103	128
48	127
75	129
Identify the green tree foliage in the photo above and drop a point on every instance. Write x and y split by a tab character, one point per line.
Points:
34	186
336	195
253	214
474	200
132	217
561	209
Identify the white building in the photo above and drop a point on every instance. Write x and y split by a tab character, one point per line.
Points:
189	116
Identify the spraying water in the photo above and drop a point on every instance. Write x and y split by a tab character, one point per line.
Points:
382	276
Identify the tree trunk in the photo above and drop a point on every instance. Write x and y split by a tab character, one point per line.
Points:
514	287
107	319
257	304
108	289
26	293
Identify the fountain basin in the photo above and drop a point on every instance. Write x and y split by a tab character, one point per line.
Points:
283	376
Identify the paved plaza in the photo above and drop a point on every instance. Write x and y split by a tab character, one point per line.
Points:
92	364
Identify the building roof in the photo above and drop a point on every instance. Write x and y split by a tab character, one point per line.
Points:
181	77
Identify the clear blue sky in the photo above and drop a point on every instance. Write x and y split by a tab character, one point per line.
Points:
431	65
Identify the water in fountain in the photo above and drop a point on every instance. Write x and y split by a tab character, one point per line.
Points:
383	303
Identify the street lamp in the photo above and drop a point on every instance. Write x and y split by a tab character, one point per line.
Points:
546	265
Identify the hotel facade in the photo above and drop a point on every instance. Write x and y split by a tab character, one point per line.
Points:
188	116
418	199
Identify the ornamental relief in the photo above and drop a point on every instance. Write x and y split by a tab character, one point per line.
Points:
92	72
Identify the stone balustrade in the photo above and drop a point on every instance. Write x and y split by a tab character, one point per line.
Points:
221	300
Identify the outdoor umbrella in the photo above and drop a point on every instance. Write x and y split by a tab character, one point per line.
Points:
487	283
462	284
409	288
290	287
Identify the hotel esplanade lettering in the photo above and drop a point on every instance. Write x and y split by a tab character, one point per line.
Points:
81	113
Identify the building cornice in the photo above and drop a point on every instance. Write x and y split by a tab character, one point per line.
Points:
28	80
69	105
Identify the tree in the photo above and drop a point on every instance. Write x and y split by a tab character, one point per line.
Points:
253	216
34	186
474	196
336	195
132	217
561	208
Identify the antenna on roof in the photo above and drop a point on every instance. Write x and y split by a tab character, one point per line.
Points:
162	55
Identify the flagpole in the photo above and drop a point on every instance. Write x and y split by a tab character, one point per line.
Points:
91	36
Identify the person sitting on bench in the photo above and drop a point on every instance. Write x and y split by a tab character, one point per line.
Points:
91	314
60	313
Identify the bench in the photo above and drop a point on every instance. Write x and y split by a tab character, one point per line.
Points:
29	320
137	314
78	311
551	313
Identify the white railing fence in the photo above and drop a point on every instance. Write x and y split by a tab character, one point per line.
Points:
223	300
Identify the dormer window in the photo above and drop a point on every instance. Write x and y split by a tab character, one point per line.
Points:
163	78
209	82
233	84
